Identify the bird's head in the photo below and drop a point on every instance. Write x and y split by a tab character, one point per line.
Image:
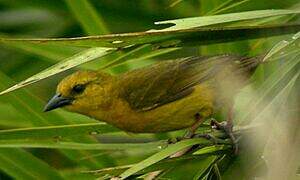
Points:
81	91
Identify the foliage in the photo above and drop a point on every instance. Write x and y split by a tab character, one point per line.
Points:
63	145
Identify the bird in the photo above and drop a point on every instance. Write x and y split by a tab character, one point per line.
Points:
165	96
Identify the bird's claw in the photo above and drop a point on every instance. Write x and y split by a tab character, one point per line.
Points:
219	125
175	140
228	129
208	137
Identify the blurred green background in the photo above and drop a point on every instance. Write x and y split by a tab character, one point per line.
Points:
74	18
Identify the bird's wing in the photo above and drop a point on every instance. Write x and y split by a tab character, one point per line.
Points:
147	88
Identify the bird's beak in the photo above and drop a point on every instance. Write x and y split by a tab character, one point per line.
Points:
57	101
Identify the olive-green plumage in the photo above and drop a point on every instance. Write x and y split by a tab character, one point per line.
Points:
162	97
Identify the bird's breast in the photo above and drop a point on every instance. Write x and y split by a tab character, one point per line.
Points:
175	115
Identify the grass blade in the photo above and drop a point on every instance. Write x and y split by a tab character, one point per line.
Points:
161	155
53	52
194	22
33	113
52	132
174	38
190	169
80	58
57	144
86	14
22	165
271	83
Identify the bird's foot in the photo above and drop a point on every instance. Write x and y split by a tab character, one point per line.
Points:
190	133
187	135
209	137
228	129
175	140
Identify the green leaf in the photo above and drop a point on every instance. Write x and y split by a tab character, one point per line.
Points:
165	165
279	47
33	112
211	149
86	14
182	37
80	58
52	132
194	22
273	94
226	6
191	169
291	55
53	52
115	171
10	117
145	57
278	99
20	164
170	150
58	144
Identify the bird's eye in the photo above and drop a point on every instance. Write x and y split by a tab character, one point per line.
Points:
79	88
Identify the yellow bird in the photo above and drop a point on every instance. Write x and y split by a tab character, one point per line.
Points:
166	96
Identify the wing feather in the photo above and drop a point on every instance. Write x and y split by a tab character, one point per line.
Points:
150	87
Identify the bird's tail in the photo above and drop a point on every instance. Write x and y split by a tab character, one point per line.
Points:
250	63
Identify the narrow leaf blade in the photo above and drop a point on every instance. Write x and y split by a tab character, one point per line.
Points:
80	58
